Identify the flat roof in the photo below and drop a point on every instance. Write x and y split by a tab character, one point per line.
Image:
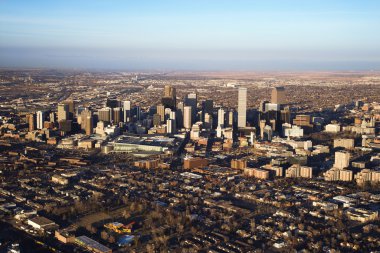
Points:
92	243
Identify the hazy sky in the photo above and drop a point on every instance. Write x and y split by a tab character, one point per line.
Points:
191	34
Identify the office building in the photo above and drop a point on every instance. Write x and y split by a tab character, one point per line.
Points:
104	114
117	115
138	114
161	112
63	111
230	118
302	120
170	126
192	100
187	117
32	121
40	119
285	115
112	103
278	95
207	107
179	115
242	107
262	106
89	126
221	117
127	111
169	98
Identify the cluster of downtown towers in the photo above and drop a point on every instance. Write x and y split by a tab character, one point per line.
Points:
168	114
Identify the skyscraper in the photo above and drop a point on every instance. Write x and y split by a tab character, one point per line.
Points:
138	112
89	124
207	106
242	107
70	109
230	118
104	114
192	100
83	115
63	111
221	117
117	115
112	103
169	98
127	111
179	115
187	117
278	95
71	104
32	121
40	119
161	112
170	126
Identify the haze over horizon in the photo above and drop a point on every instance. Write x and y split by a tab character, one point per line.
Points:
290	35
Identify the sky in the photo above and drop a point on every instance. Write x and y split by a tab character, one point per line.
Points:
204	35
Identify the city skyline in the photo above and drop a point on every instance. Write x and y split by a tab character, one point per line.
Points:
197	35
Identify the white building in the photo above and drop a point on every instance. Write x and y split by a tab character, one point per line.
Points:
342	160
40	119
242	107
187	117
332	128
221	117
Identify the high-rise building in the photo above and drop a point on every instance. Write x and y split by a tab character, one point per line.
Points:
83	116
342	160
285	115
127	111
89	124
187	117
230	118
65	126
104	114
117	115
172	115
192	100
161	112
112	103
242	107
268	133
156	120
169	98
179	115
32	121
262	106
221	117
70	109
278	95
138	112
302	120
40	119
52	117
207	107
63	111
170	126
169	91
208	121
